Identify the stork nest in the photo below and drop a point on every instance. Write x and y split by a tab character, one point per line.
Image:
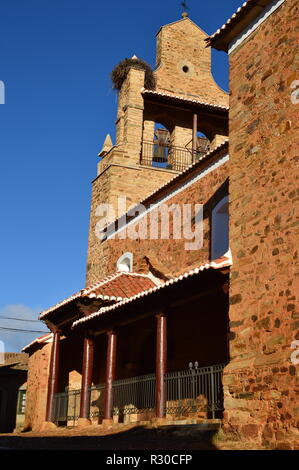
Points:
120	72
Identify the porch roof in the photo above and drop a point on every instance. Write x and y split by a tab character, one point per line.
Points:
112	288
215	265
47	338
180	100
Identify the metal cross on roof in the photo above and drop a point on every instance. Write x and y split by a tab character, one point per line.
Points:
185	7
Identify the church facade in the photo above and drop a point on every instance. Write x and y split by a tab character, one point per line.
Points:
189	310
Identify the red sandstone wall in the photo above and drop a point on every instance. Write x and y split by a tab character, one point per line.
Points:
170	256
261	383
134	183
37	386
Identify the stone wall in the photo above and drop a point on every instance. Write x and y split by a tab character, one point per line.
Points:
37	387
130	182
120	172
261	382
168	256
184	63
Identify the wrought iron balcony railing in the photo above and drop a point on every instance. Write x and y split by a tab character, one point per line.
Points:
168	156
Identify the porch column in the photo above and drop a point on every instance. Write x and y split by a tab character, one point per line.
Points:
87	367
53	374
161	360
110	374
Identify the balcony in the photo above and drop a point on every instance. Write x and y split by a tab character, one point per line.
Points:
164	155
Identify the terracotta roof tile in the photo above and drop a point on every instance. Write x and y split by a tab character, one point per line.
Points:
222	262
41	339
183	99
245	10
114	287
233	19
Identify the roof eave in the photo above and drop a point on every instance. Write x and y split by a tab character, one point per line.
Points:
236	24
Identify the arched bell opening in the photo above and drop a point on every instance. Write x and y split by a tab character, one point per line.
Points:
156	145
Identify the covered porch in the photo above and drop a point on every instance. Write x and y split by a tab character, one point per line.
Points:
156	356
191	396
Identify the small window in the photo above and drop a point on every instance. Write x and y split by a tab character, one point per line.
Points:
220	229
22	402
125	263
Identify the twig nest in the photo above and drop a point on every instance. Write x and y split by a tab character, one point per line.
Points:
120	72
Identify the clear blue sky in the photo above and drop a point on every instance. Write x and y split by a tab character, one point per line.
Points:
55	60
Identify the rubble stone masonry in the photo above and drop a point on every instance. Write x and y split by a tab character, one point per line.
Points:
169	256
261	381
135	184
37	387
180	44
184	63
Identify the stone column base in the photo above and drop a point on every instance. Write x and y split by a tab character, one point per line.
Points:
107	422
48	426
83	422
159	421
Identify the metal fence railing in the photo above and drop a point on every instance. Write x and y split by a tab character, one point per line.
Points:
66	407
193	391
170	157
134	395
165	156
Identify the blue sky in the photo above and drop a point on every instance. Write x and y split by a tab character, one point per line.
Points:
55	60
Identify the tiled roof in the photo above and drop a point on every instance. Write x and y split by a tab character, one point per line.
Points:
122	286
183	99
41	339
223	262
242	11
114	287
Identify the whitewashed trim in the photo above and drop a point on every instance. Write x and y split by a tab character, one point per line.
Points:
213	166
254	25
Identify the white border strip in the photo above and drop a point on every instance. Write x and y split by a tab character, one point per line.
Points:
254	25
201	175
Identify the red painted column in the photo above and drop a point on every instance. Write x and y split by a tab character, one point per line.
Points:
53	374
110	374
161	360
87	367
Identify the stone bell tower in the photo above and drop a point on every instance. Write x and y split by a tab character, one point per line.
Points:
184	89
183	63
